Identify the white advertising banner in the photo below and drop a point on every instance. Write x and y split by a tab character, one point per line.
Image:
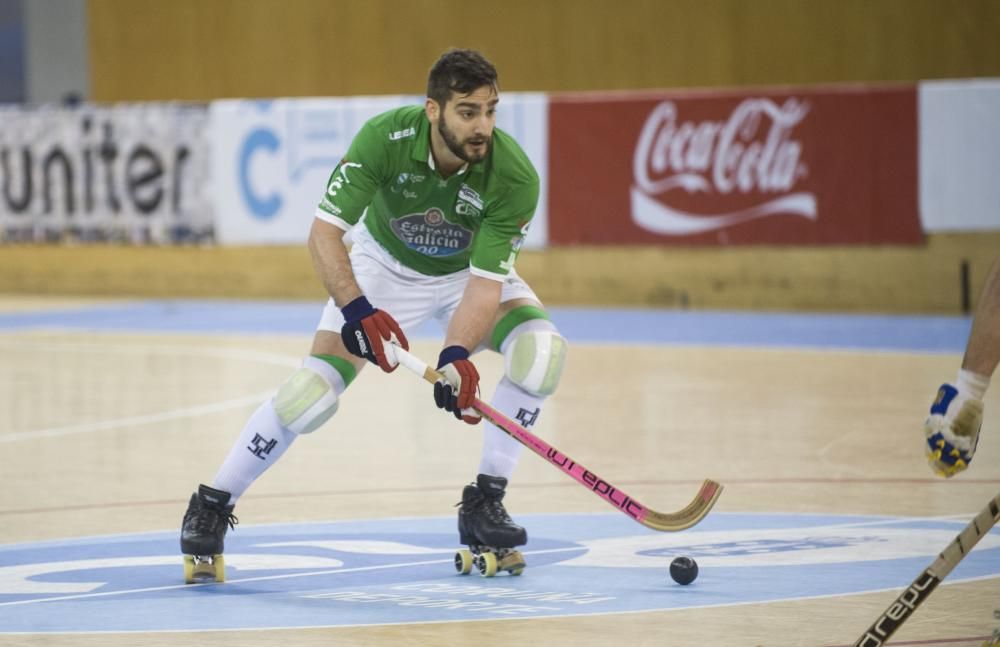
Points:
959	155
130	172
272	159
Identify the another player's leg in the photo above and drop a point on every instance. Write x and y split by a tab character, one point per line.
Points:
956	416
306	400
534	355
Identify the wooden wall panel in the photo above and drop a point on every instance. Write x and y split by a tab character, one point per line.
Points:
205	49
925	279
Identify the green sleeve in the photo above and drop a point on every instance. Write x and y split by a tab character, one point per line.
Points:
505	224
354	181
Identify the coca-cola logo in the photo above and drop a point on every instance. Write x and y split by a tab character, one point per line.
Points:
751	154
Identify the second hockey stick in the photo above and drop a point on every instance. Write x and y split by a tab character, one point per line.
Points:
691	514
920	588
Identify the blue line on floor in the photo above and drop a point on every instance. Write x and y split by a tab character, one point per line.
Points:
941	334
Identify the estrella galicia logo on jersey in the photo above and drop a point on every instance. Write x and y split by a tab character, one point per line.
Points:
430	233
373	572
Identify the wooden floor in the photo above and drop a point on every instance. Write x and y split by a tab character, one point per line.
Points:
109	433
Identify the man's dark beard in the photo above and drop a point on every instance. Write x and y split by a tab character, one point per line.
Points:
455	146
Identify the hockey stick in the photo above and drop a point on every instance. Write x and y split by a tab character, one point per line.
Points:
920	588
664	521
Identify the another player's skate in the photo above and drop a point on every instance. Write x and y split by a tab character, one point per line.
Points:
488	531
203	532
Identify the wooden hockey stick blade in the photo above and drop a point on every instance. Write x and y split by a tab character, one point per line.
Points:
682	519
918	590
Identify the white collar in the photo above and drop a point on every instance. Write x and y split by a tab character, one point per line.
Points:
430	163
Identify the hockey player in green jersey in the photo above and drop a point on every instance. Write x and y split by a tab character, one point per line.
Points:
438	202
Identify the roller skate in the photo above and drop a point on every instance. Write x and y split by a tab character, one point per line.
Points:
205	523
488	531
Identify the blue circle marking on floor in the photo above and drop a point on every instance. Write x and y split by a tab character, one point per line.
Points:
400	571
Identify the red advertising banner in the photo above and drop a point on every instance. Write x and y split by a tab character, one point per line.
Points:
811	166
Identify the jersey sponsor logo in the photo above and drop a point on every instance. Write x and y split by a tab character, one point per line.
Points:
401	134
406	178
430	234
469	195
463	208
340	178
468	204
330	207
515	246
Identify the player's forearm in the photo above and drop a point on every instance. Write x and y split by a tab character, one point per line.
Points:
331	262
983	350
475	314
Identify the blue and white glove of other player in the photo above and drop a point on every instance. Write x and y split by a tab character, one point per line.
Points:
952	430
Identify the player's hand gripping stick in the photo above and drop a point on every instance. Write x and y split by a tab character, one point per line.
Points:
458	385
365	331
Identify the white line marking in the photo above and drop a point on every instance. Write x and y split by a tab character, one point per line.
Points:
133	421
150	418
264	578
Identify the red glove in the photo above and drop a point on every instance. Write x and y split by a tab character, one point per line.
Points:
365	330
457	389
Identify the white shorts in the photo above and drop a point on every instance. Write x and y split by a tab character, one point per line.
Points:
409	296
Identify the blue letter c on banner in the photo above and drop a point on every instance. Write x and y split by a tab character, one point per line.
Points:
261	207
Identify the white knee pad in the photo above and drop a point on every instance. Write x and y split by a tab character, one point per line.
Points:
534	361
305	401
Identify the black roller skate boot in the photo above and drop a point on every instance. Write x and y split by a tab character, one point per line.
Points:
488	531
203	532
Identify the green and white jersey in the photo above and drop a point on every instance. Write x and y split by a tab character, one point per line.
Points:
475	219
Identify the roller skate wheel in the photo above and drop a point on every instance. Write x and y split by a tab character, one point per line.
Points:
487	564
513	563
202	569
220	568
188	569
463	561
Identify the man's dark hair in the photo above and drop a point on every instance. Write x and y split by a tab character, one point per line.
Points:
461	71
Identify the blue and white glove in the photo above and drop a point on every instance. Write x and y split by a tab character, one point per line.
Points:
952	430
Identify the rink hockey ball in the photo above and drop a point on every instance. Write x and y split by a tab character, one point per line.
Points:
684	570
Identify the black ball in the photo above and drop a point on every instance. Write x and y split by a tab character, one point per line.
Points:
684	570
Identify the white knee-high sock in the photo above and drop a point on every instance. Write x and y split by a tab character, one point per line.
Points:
264	440
500	451
259	446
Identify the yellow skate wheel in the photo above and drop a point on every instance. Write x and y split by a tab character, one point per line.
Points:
463	561
220	568
487	564
513	563
188	569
